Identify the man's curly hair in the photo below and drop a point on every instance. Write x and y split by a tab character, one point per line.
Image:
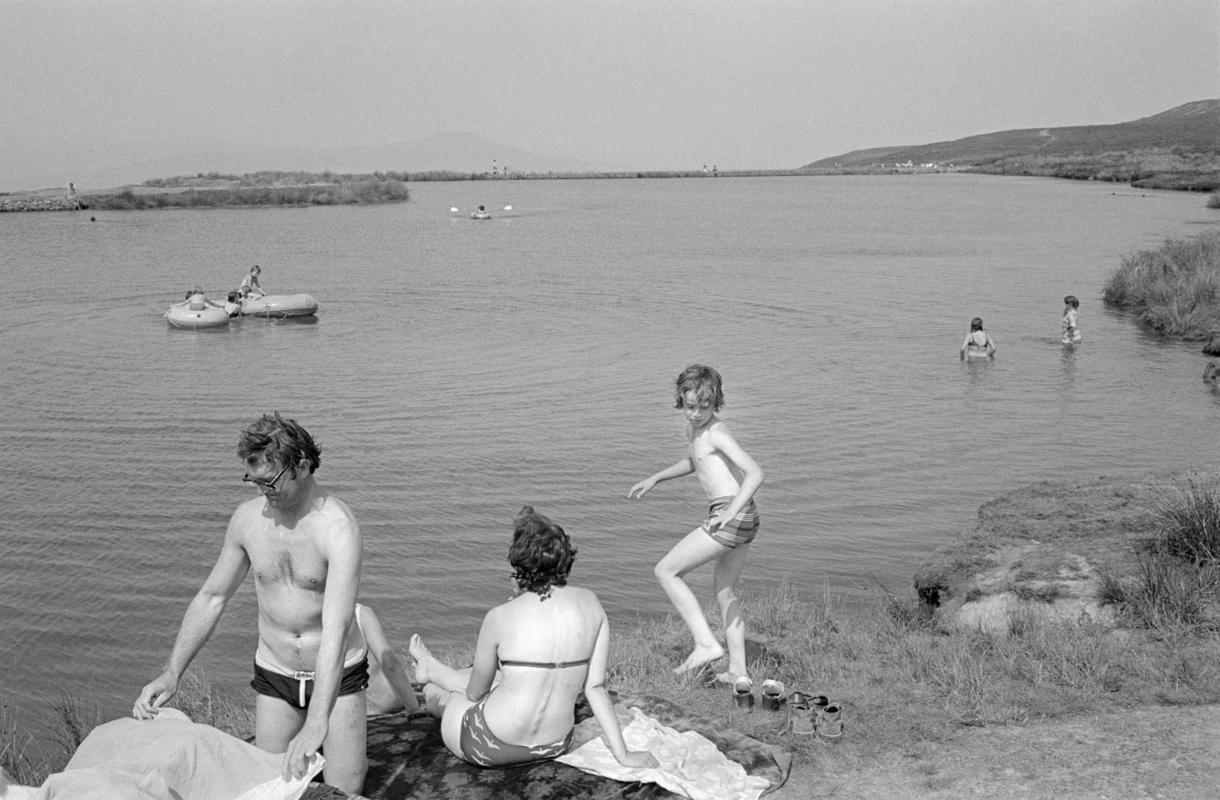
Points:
541	554
280	441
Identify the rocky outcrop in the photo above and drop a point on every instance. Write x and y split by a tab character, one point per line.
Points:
64	202
1041	551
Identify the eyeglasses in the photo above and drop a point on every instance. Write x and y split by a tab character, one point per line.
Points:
262	483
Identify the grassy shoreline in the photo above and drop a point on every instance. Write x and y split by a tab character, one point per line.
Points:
905	682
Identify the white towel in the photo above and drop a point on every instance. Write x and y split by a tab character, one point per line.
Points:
690	765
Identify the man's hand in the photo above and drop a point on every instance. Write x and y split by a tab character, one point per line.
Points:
303	747
155	694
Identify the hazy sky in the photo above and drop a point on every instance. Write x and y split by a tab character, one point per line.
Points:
637	84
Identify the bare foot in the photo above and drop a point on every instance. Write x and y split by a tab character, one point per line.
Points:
698	657
423	658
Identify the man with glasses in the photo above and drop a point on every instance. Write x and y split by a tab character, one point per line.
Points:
311	666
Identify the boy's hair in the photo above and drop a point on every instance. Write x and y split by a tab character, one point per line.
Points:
279	441
976	324
1071	300
541	553
704	380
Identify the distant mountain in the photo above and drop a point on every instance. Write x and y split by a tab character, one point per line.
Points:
1185	139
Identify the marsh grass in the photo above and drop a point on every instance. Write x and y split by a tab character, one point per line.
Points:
1175	289
1188	521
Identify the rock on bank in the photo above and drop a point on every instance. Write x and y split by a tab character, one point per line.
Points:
1042	551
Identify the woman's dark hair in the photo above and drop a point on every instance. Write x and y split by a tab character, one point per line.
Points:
541	554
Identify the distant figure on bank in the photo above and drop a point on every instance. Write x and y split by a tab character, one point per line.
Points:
1211	375
233	304
310	666
1071	331
249	284
978	342
535	654
730	478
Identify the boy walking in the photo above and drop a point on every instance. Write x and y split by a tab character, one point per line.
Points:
729	478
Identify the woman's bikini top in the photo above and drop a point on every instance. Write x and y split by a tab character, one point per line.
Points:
545	664
975	343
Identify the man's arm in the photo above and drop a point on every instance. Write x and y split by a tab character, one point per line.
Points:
199	621
343	552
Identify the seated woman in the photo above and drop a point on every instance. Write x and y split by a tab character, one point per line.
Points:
535	653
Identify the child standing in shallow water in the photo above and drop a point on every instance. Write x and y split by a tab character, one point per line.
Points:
730	478
1071	333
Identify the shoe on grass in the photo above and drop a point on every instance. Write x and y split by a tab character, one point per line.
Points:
829	724
772	695
743	693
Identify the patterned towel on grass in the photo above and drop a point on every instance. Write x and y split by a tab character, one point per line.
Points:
408	759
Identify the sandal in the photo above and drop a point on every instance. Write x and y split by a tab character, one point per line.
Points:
743	693
772	695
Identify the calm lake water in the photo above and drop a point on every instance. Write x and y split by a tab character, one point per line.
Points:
458	369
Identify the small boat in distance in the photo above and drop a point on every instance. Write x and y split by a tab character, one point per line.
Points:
279	306
195	312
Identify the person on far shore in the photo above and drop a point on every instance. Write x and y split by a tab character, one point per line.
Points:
249	284
535	654
1071	331
729	477
311	666
978	341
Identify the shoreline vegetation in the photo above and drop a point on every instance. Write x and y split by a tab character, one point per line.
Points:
1174	290
296	189
911	681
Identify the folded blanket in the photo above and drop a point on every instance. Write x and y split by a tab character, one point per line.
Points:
690	764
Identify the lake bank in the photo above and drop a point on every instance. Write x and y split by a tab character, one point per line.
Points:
1065	710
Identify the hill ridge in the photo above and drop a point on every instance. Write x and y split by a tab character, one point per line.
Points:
1182	141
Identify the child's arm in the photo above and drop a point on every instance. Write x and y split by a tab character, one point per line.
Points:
752	474
391	665
676	470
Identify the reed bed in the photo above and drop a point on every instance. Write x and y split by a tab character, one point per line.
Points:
1174	289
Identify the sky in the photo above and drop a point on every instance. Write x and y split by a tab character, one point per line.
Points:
95	88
